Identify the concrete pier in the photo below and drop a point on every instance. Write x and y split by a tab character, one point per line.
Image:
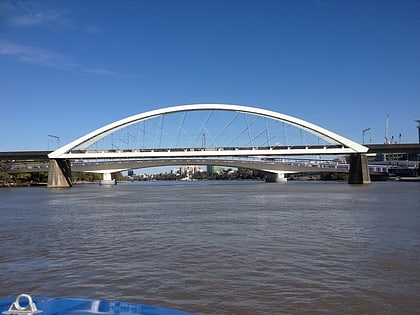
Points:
275	177
107	180
59	173
359	169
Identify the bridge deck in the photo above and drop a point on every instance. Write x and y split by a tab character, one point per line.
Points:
24	155
258	164
394	148
373	148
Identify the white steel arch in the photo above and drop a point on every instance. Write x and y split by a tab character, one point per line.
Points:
90	138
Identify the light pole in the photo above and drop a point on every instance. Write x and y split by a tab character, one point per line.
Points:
370	135
53	137
418	127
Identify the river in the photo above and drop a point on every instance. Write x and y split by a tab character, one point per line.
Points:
215	247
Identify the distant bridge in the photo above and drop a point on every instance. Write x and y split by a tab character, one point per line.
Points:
256	164
222	132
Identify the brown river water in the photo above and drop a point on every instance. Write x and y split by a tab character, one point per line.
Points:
215	247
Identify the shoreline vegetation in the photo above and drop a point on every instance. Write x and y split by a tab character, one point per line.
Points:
41	178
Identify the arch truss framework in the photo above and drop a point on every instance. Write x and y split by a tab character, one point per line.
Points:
333	143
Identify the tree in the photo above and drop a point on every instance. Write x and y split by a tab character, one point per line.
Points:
4	171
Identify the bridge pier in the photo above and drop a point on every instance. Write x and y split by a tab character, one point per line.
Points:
275	177
59	173
107	179
359	169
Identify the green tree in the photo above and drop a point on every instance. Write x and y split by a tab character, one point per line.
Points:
4	172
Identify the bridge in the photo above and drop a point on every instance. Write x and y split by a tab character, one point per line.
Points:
210	134
272	164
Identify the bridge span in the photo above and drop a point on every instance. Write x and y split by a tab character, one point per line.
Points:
207	130
204	131
274	168
114	164
256	164
43	155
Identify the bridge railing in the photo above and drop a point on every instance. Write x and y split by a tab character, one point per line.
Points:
198	149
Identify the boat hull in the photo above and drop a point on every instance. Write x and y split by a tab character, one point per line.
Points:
69	306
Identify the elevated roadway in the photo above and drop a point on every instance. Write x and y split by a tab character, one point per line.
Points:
256	164
228	157
43	155
24	156
394	148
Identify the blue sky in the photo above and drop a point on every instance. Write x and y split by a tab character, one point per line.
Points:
69	67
